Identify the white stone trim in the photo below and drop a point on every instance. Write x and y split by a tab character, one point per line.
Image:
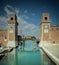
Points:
43	43
12	44
56	60
5	39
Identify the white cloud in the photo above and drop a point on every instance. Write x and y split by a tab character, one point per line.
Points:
33	14
25	16
9	9
25	11
24	27
17	11
3	19
3	22
9	6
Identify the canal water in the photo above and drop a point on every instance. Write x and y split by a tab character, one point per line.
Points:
30	55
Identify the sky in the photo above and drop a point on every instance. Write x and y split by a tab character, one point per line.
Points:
29	14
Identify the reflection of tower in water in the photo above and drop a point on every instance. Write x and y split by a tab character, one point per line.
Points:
34	44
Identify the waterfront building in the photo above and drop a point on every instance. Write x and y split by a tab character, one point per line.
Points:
9	37
48	33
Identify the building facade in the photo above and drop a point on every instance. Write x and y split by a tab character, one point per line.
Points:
9	37
3	38
48	33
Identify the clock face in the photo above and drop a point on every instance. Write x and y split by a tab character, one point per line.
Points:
45	30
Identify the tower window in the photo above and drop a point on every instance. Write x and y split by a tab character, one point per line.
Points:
11	18
45	18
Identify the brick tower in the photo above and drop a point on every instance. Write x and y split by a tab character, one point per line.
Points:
45	28
12	30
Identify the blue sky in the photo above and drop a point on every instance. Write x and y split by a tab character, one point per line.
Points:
29	13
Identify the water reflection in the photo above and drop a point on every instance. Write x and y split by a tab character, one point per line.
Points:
9	59
28	56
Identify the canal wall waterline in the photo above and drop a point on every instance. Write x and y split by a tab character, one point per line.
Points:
51	56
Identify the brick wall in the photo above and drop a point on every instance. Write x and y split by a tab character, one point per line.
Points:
3	37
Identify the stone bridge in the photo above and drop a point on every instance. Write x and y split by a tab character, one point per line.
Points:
27	38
